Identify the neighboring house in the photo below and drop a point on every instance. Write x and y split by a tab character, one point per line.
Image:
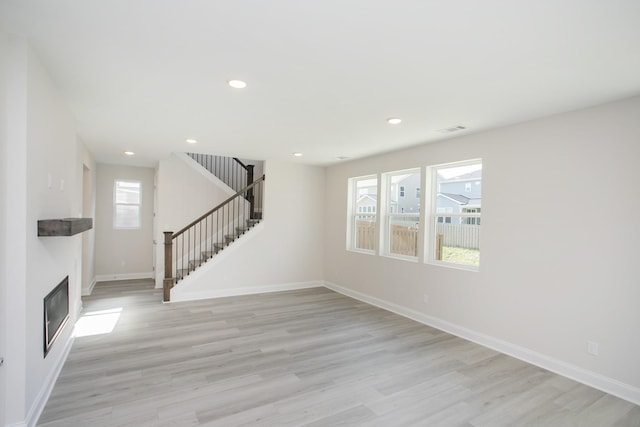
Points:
460	194
367	203
407	192
404	195
367	199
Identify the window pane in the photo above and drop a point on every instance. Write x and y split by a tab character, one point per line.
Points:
364	223
403	234
457	243
403	208
127	192
126	204
127	216
455	219
365	232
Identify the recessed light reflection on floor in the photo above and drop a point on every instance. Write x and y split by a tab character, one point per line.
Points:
97	322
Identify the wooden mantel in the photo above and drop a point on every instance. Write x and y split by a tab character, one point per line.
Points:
64	226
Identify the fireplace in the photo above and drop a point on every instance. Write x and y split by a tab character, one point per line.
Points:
56	313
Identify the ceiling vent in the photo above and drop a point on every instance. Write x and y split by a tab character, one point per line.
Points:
451	129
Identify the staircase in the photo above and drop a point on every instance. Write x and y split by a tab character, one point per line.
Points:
230	170
205	237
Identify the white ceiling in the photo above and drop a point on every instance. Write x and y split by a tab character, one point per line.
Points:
323	75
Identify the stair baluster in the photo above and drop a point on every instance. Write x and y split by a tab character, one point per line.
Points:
190	247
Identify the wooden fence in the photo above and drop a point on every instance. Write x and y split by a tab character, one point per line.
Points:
404	239
459	235
366	235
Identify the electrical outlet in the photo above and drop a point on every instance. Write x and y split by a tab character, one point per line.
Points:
425	298
592	348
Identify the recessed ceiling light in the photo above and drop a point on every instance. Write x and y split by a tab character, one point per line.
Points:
297	154
394	120
237	84
190	141
129	153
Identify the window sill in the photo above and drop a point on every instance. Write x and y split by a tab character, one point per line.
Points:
401	257
362	251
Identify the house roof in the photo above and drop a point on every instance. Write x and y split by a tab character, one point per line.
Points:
475	202
322	77
458	198
370	196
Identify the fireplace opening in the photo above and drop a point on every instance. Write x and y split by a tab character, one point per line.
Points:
56	313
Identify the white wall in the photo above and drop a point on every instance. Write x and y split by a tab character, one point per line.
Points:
284	251
15	231
558	251
123	254
43	149
88	180
4	180
184	194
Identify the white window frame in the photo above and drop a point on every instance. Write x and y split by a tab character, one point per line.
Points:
116	204
431	214
389	215
352	213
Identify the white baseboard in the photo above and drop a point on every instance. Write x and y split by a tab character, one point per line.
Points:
592	379
87	291
232	292
43	395
126	276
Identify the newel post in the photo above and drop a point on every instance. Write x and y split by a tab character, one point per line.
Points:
167	284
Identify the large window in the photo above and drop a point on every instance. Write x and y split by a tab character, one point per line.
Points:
402	214
363	218
453	235
127	199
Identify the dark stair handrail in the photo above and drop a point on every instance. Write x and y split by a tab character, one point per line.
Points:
224	223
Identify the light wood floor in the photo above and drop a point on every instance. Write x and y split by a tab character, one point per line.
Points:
311	357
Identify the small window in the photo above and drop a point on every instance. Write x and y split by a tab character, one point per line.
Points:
126	204
417	192
441	218
472	220
362	214
453	228
402	191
